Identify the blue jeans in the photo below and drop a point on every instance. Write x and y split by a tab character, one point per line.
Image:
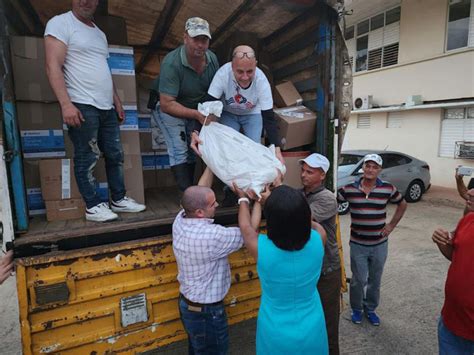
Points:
98	133
367	264
208	332
451	344
177	134
251	125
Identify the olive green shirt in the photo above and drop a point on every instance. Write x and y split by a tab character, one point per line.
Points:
178	78
323	204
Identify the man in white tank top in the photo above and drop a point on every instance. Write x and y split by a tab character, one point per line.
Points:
77	69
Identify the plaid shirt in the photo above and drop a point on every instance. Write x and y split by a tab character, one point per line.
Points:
201	249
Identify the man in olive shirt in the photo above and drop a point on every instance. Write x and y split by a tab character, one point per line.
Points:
323	206
185	76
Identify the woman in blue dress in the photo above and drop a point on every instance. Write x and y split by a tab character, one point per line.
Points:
289	260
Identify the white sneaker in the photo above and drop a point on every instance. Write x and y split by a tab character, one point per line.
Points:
127	204
100	213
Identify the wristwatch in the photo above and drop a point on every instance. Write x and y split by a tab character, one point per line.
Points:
243	199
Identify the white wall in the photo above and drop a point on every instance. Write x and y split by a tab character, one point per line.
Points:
418	136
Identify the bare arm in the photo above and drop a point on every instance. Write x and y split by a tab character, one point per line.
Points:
206	178
399	212
118	106
462	189
319	228
6	266
256	215
442	239
248	231
55	55
172	107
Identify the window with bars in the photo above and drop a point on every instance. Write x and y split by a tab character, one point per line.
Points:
363	121
457	126
373	43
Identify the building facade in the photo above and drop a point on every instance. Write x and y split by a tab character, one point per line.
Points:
413	80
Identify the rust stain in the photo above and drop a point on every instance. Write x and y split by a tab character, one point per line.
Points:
111	255
250	273
237	277
47	325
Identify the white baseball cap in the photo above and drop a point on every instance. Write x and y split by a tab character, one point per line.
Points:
316	160
375	158
196	26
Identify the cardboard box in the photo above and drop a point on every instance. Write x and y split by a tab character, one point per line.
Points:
34	197
121	61
162	160
131	118
57	180
28	61
144	122
165	178
133	176
285	94
145	142
114	27
46	143
293	168
130	142
126	88
39	115
68	146
297	126
149	179
62	210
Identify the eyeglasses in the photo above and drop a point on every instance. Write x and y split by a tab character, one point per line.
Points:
241	55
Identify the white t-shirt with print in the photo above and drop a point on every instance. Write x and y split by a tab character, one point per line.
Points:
257	97
86	72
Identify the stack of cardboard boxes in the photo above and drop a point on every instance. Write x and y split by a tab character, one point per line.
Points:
44	138
297	126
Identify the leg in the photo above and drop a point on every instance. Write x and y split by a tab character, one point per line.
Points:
252	126
329	287
110	145
376	265
86	153
230	120
360	270
218	331
176	137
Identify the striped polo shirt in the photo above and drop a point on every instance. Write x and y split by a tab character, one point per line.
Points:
368	212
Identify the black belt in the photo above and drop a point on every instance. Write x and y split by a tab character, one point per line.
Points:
195	304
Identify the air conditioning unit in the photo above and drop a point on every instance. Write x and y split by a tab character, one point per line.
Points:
363	102
464	150
413	100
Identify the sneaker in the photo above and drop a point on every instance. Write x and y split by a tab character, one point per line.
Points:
127	204
373	318
356	316
100	213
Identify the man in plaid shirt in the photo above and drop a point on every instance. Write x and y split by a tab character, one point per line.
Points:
201	249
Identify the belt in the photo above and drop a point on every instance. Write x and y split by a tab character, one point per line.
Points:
195	304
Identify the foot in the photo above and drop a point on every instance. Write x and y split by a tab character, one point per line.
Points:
356	316
373	318
127	204
100	213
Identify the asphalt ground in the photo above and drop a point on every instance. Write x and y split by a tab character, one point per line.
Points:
412	290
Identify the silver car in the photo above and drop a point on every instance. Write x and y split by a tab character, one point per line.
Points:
411	176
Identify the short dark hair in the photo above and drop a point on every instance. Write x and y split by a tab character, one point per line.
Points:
288	218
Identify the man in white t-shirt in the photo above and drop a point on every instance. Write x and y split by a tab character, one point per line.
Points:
247	98
77	69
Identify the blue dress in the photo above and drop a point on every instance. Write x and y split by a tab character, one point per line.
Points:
291	318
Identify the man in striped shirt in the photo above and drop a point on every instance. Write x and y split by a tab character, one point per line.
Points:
368	198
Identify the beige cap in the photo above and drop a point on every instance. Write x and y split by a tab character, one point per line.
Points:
196	26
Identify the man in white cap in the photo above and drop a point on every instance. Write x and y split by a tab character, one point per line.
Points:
323	206
368	198
185	76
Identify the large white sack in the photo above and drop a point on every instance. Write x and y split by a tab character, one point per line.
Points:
234	157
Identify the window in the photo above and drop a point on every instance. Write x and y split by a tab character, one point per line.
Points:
363	121
459	23
391	160
394	120
457	126
373	43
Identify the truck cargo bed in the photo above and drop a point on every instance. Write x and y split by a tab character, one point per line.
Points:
156	220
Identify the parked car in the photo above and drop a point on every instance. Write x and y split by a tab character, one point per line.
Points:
410	175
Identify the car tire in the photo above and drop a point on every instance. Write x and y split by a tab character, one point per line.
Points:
342	208
414	191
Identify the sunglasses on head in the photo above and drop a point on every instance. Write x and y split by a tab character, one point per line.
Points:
241	55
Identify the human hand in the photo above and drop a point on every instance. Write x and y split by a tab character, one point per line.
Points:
71	115
238	191
205	120
387	230
120	112
265	194
441	236
6	266
195	141
457	175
